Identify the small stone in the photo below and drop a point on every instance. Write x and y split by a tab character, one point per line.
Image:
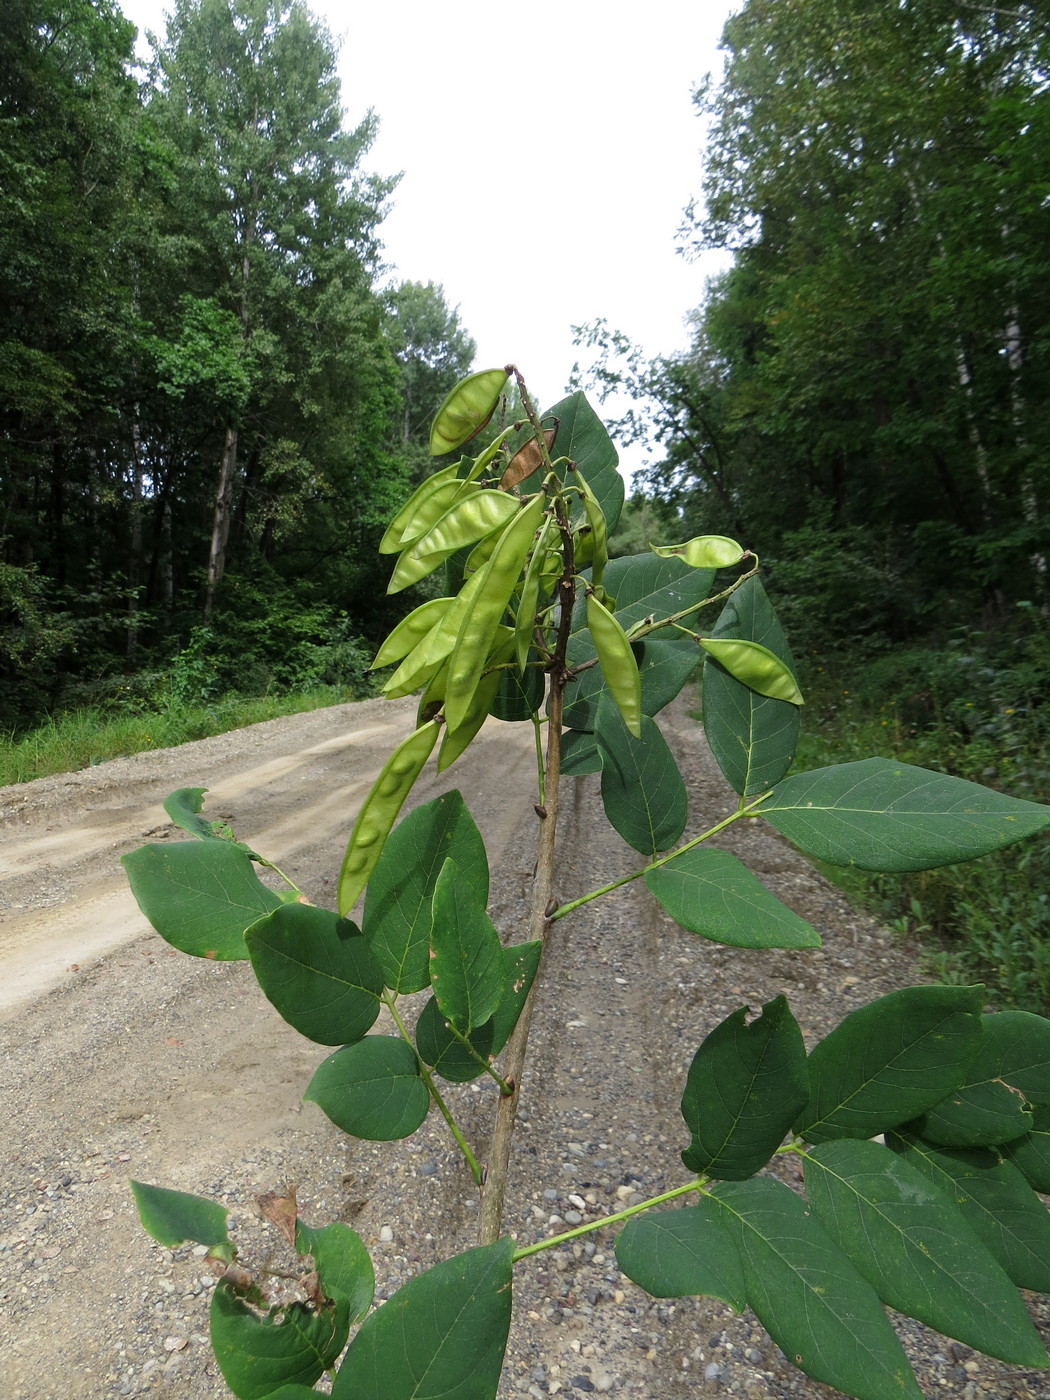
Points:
602	1381
583	1383
175	1343
712	1371
386	1235
573	1217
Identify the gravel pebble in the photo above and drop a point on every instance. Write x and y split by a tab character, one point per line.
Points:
149	1065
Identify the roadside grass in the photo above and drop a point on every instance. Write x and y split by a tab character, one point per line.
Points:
92	734
976	711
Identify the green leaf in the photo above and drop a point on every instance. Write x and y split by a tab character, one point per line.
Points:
342	1264
642	789
1031	1153
890	1060
449	1057
440	1337
372	1089
1011	1073
520	963
289	1345
663	669
583	438
809	1297
995	1199
917	1251
184	807
318	971
881	815
398	903
744	1089
445	1053
520	694
200	896
172	1217
579	754
752	736
683	1253
292	1392
466	960
713	894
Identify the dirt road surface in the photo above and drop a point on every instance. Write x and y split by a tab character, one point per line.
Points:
122	1059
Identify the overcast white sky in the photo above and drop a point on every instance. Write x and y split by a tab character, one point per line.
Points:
567	127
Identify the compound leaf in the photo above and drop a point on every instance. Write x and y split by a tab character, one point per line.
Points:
318	970
440	1337
744	1089
882	815
715	895
681	1253
372	1089
913	1245
200	896
890	1060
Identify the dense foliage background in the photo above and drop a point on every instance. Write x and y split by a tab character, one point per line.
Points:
207	405
211	399
865	400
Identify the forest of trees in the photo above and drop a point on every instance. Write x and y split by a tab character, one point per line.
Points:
210	399
867	396
209	404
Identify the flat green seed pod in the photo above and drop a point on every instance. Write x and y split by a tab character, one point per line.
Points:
466	410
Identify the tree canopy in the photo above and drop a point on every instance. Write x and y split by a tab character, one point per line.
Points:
874	364
205	387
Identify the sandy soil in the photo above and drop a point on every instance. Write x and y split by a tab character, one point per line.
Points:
123	1059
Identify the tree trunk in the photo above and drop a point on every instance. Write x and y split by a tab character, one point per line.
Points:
221	524
135	560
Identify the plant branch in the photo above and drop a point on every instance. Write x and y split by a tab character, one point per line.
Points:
435	1093
490	1218
743	811
478	1058
607	1220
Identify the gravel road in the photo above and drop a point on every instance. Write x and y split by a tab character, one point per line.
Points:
123	1059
